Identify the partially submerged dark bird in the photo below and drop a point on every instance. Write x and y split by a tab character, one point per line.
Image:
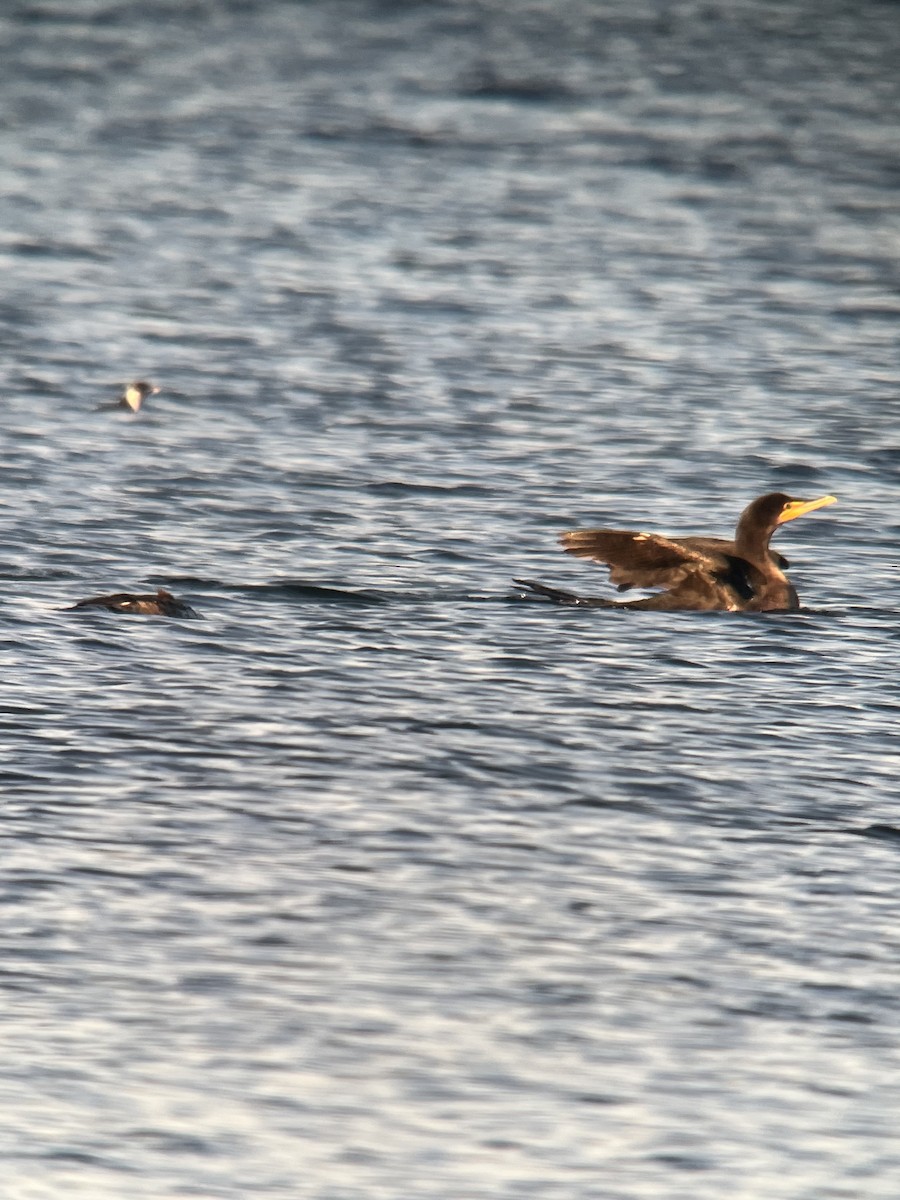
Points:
133	396
162	604
697	573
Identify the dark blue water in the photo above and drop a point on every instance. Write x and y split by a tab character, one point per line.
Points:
380	881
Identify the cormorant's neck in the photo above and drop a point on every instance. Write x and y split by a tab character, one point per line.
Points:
752	544
772	588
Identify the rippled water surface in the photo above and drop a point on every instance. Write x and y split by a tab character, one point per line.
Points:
381	881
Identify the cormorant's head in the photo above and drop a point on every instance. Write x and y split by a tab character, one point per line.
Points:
766	513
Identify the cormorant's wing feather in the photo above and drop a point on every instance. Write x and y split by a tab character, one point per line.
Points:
648	560
642	559
727	588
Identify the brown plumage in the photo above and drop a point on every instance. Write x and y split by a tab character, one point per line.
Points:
645	576
697	573
162	604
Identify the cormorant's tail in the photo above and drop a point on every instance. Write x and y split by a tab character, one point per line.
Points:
558	596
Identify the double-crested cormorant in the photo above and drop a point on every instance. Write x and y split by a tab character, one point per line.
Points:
697	573
162	604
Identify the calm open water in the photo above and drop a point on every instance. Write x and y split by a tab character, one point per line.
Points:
380	882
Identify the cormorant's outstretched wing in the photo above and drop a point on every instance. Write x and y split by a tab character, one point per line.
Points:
645	559
696	573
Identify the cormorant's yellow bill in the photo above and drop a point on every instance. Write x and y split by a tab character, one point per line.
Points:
798	508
